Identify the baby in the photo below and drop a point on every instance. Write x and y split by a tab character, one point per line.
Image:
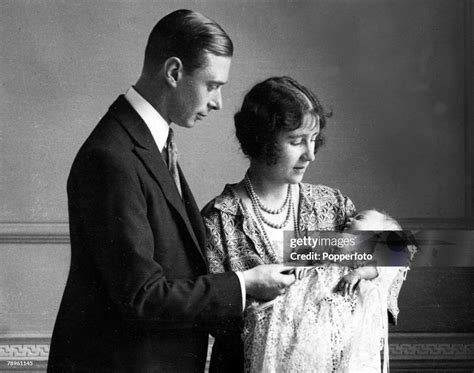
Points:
368	220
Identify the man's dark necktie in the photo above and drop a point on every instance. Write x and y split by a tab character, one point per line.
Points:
171	157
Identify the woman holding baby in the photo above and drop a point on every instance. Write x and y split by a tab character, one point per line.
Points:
333	318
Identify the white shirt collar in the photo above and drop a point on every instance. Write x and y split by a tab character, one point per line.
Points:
157	125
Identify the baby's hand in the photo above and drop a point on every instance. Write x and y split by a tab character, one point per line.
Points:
348	283
301	272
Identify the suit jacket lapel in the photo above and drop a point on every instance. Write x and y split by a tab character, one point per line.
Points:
158	170
193	213
147	151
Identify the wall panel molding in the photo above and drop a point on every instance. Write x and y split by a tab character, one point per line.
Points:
431	352
58	233
409	352
34	233
24	352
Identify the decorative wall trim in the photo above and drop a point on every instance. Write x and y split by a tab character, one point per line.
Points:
34	233
24	352
431	352
408	352
419	346
58	233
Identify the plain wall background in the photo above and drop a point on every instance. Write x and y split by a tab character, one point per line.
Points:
393	72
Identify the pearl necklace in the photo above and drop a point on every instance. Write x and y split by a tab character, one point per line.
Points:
259	202
257	208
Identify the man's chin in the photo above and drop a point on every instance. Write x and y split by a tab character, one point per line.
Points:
188	124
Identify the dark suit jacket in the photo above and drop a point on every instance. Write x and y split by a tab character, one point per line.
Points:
138	297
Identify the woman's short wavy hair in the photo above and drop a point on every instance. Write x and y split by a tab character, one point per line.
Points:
274	106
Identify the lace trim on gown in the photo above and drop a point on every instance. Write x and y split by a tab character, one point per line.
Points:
311	328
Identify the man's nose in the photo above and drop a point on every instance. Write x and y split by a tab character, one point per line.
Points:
216	102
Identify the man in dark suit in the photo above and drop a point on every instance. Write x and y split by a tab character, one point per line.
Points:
139	297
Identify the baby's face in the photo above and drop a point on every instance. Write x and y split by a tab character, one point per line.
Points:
369	220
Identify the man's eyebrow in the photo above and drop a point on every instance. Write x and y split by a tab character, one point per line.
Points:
219	82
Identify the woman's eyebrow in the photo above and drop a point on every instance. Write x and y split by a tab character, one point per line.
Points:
294	136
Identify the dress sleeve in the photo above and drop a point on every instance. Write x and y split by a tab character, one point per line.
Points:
346	209
214	243
349	207
324	208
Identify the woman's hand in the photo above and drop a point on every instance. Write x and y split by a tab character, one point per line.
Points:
348	283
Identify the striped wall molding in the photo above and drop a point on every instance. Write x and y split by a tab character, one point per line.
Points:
409	352
34	233
58	233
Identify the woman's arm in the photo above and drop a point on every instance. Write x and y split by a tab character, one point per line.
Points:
215	251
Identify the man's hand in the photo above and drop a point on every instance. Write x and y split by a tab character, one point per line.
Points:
267	281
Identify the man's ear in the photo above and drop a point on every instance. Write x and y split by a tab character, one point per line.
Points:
173	68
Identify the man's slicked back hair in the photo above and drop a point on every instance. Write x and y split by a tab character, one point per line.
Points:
187	35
